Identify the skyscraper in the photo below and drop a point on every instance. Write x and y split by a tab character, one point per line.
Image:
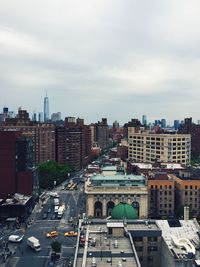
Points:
46	108
144	120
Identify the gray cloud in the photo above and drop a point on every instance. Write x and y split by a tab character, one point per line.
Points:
116	58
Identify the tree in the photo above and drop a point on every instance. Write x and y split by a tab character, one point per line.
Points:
56	246
50	172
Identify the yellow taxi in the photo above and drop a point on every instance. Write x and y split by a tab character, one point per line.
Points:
71	233
52	234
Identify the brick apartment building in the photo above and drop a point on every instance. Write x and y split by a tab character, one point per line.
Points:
187	192
73	143
190	128
42	135
161	195
17	165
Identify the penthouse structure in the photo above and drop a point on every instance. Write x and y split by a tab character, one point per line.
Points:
148	147
104	192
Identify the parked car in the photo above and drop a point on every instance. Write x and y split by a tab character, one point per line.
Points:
54	216
70	220
45	215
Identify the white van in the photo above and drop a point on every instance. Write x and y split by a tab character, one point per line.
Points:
15	238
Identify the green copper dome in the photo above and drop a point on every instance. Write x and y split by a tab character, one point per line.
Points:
124	210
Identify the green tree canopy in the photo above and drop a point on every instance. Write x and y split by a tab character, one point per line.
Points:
56	246
51	171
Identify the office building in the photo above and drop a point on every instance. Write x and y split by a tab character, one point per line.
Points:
144	120
56	117
176	124
115	125
40	117
46	108
148	147
163	123
34	117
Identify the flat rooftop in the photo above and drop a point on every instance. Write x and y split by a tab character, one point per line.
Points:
109	168
177	230
104	252
105	180
162	165
141	225
16	199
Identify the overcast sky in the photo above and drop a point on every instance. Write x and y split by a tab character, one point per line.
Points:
101	58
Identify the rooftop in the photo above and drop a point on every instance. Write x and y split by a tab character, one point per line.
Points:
182	237
167	165
105	253
118	180
16	199
109	168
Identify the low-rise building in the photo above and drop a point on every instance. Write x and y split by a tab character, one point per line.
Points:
17	207
105	192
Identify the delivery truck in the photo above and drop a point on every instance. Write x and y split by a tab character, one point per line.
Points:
33	243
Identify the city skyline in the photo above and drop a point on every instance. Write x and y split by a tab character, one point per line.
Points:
113	59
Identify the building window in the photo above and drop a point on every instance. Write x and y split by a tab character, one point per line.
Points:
153	239
152	248
139	248
138	238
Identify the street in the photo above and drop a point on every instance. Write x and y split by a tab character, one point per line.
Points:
23	256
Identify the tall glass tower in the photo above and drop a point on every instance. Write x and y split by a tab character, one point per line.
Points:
144	120
46	108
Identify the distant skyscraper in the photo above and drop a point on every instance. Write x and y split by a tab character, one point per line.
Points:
176	124
115	124
56	116
163	123
46	108
34	118
144	120
40	117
